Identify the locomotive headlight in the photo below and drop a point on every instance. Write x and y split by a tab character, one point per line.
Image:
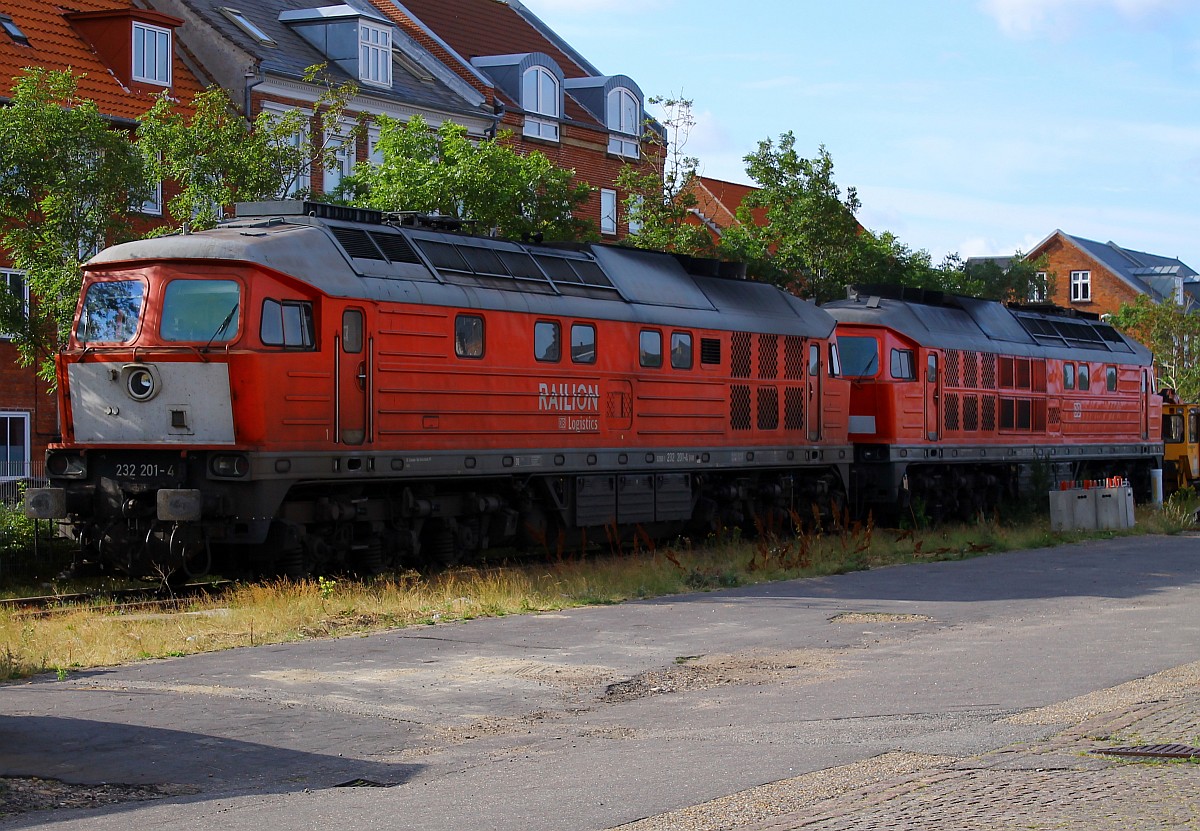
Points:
66	465
141	381
229	465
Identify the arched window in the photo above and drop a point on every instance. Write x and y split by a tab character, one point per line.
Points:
540	98
624	118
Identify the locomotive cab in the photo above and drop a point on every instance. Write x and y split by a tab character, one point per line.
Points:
1181	437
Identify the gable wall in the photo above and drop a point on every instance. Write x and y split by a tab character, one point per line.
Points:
1108	290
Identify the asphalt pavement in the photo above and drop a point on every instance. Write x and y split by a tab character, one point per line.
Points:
801	704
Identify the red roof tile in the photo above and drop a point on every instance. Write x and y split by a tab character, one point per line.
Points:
55	44
475	28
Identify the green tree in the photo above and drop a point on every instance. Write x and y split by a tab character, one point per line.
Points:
660	203
68	181
811	243
217	157
487	182
988	278
1172	334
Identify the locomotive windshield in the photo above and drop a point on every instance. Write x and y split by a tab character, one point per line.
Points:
111	312
200	310
860	355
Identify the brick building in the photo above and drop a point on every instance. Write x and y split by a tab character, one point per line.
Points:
258	52
717	202
1098	277
124	56
550	97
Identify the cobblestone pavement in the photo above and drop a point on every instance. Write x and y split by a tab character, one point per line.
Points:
1053	784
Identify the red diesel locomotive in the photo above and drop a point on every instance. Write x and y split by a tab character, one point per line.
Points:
954	400
311	387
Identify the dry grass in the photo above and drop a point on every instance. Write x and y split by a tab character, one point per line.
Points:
84	636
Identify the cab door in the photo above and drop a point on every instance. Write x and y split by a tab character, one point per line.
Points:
352	379
933	397
813	407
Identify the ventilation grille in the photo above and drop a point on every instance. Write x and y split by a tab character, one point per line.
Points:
739	407
768	356
793	408
710	351
793	358
768	408
952	411
740	361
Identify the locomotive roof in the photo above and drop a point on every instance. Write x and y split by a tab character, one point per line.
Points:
348	258
950	321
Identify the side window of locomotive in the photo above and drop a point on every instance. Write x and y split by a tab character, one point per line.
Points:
352	331
1193	426
200	310
546	342
1084	381
681	350
1068	376
1172	427
583	343
111	312
835	361
931	368
814	360
650	348
287	323
861	355
468	336
902	365
1110	378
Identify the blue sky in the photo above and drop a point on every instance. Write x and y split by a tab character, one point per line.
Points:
969	126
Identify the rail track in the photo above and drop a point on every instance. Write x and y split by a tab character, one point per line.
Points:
115	600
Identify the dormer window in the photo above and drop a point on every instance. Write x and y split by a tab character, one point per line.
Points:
151	54
623	118
13	30
540	97
374	54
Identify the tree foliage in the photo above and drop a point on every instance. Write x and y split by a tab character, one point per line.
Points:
661	205
1172	334
810	241
487	182
216	157
67	184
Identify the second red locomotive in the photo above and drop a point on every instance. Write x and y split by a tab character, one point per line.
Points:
954	399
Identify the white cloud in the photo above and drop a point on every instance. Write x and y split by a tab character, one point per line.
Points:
1025	18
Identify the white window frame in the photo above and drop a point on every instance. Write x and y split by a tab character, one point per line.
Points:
1037	292
623	140
7	277
147	69
304	180
636	202
374	54
154	205
374	157
544	107
347	157
608	211
7	473
1081	286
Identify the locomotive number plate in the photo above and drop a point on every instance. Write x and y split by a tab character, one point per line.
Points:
149	468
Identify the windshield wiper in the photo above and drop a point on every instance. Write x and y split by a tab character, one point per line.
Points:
224	325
